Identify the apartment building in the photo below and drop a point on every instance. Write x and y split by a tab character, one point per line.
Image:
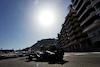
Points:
81	29
71	37
88	13
62	36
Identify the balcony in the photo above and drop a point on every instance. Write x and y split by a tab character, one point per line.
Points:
75	19
77	29
87	9
73	15
62	45
73	42
97	11
63	35
81	39
62	31
75	2
70	28
78	4
68	21
61	40
79	34
71	32
72	37
94	2
92	26
91	15
66	38
66	42
72	11
83	5
65	27
76	24
68	25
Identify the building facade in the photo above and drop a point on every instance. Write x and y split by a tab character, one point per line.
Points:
88	13
81	29
71	37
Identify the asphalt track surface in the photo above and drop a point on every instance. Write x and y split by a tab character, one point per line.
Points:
70	60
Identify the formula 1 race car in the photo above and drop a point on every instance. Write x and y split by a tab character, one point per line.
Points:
45	56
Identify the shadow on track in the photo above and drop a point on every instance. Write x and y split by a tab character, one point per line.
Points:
54	62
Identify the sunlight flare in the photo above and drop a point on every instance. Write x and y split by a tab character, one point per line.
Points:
46	18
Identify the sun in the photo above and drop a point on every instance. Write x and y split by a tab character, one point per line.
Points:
46	18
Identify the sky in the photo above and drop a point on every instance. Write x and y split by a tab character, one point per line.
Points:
24	22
